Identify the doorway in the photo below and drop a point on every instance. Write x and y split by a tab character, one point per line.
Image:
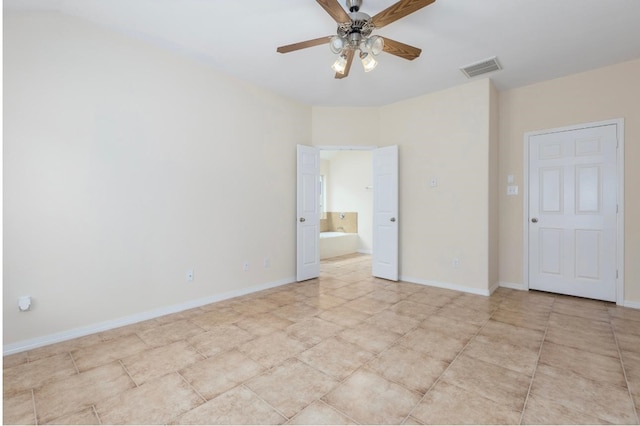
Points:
572	202
383	186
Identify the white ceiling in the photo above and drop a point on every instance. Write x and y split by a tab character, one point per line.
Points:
534	40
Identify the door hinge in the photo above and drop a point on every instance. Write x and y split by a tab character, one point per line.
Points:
616	274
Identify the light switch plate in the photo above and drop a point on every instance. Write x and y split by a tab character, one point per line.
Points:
512	190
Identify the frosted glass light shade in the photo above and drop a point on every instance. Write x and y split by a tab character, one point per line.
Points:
336	44
368	62
340	64
375	45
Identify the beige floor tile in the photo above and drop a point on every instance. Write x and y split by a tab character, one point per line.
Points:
526	319
331	284
312	331
368	398
239	406
220	373
503	353
148	365
570	322
451	327
593	366
597	341
105	352
296	312
336	357
628	342
394	322
414	310
624	313
35	374
477	303
437	300
263	324
519	336
433	343
84	417
350	291
601	400
622	326
171	332
413	370
449	404
63	347
291	386
319	413
324	301
128	330
501	385
220	339
412	421
155	402
370	337
387	295
272	349
467	315
178	316
15	359
217	317
18	409
596	311
542	411
81	391
343	316
368	305
254	307
525	305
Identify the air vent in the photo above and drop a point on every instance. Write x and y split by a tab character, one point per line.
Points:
483	67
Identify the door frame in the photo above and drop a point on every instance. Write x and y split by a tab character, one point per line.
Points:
620	196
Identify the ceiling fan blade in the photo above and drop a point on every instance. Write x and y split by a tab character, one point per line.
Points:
303	44
400	49
350	54
398	10
334	9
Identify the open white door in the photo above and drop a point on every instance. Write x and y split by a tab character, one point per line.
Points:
385	213
308	214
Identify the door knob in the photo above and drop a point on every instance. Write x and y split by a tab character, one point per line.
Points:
302	219
534	219
393	219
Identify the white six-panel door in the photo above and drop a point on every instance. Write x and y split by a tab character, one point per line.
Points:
308	213
385	213
572	212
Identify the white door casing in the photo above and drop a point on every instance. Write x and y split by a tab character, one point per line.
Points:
385	213
308	213
572	218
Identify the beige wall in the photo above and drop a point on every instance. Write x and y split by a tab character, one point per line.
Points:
603	94
125	165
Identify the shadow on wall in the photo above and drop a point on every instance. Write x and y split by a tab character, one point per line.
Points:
346	222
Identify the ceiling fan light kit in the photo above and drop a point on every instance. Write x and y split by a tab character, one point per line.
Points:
354	34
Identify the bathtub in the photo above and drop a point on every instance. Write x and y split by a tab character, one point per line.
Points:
337	244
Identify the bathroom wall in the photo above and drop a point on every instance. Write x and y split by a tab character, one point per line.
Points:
342	222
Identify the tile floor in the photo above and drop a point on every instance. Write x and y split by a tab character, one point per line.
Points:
344	349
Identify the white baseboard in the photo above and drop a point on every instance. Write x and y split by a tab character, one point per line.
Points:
37	342
457	287
493	287
515	286
365	251
631	304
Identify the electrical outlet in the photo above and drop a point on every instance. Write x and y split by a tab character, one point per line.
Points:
267	262
455	262
189	275
245	265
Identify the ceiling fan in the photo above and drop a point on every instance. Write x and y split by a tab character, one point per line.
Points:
354	33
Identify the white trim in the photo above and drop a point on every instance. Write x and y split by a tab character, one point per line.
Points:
514	286
365	251
631	304
37	342
346	147
457	287
493	288
619	123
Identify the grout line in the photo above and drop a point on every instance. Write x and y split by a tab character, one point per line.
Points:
624	370
95	412
128	374
446	369
191	386
33	401
74	362
262	399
